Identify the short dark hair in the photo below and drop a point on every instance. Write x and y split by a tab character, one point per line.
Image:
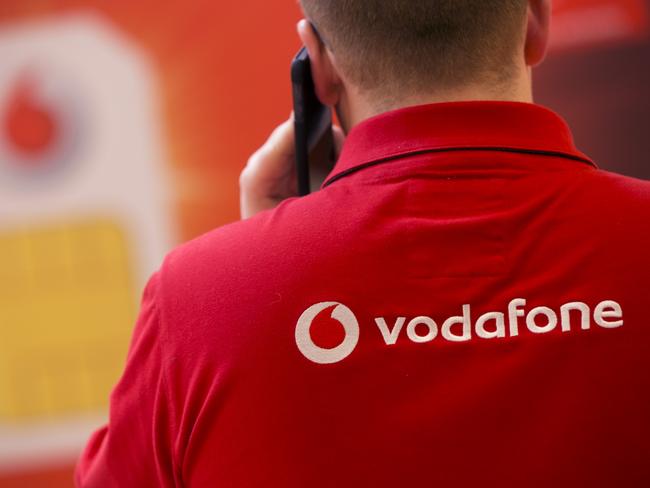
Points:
385	45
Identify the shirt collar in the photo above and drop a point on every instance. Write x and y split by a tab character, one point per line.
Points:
502	126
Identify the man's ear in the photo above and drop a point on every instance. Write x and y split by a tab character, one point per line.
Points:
537	32
326	77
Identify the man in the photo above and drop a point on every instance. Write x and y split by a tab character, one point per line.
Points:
463	303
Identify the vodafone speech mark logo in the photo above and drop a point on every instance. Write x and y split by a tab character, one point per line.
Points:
608	314
42	125
321	355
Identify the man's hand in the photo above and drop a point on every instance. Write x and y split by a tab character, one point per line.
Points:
270	174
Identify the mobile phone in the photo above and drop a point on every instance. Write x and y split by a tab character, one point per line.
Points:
315	153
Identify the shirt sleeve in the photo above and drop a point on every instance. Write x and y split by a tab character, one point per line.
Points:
135	447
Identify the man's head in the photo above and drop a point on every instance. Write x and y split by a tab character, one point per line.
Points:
394	50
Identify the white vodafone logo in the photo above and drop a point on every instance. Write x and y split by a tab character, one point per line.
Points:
319	354
517	318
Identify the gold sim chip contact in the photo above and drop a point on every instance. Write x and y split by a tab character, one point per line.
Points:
67	309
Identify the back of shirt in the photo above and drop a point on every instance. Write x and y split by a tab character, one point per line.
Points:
462	304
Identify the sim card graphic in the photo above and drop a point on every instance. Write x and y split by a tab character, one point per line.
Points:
84	220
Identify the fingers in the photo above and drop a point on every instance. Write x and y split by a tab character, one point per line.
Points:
269	176
277	154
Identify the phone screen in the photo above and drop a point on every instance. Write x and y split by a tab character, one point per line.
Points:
315	155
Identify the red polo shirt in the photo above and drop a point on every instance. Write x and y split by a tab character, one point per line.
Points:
464	303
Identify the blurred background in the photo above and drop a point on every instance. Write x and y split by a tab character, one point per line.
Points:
123	128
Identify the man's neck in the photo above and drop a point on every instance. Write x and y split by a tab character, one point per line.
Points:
356	108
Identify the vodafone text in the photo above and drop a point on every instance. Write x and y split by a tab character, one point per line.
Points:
607	314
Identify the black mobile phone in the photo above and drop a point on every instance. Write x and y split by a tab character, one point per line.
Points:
315	153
